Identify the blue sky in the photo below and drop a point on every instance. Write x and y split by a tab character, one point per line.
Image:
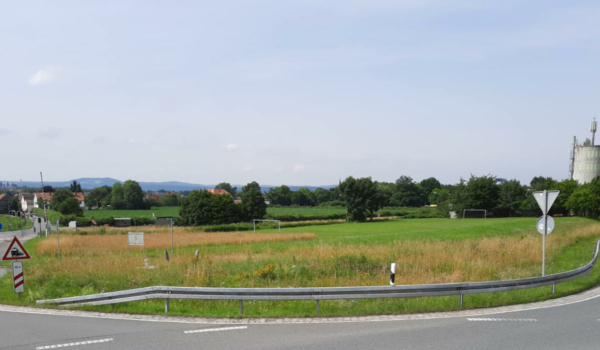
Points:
295	92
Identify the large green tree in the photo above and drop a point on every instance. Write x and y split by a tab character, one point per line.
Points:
303	197
407	193
539	183
99	197
361	196
428	185
204	208
117	200
59	197
133	195
64	202
253	202
510	197
281	195
171	200
75	187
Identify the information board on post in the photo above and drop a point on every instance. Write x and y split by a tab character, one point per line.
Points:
135	238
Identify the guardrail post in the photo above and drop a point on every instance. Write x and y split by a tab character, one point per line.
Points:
241	307
461	300
166	305
553	289
318	307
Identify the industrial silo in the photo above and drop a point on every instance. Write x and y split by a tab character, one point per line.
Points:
585	158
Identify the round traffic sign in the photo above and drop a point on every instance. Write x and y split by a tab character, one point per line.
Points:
540	225
0	226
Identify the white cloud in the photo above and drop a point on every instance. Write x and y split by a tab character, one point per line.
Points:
248	167
43	76
232	146
298	168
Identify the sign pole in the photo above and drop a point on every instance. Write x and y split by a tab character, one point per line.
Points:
57	241
171	236
545	233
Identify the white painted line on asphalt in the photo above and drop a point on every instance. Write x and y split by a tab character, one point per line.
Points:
87	342
503	319
215	329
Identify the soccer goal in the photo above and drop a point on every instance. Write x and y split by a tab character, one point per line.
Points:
474	214
255	220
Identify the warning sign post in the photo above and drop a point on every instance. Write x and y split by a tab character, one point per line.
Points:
18	278
16	251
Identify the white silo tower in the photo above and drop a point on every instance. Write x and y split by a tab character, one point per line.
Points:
585	158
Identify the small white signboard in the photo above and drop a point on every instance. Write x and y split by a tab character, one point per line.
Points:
72	224
135	238
18	278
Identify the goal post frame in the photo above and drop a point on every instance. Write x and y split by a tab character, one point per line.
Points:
255	220
483	210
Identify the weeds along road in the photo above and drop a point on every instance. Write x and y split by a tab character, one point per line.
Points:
572	326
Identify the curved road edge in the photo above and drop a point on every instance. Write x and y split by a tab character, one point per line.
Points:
571	299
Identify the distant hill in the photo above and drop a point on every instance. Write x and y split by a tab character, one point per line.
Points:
91	183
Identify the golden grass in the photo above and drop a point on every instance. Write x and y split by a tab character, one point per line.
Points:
96	244
315	264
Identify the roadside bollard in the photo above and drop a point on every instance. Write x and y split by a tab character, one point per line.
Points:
167	254
147	262
197	254
392	274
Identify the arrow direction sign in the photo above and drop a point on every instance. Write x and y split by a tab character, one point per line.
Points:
542	222
16	251
541	199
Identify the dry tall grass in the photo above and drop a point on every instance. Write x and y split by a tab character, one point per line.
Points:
97	244
320	264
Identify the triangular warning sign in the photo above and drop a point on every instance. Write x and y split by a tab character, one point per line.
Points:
541	200
16	251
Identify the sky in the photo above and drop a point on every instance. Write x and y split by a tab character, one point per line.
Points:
295	92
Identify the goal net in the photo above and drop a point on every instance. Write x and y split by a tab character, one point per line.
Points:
474	214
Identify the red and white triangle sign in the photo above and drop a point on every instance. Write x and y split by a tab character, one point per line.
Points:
16	251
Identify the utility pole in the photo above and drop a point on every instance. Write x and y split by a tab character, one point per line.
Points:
44	201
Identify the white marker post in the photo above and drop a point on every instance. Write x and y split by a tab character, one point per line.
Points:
18	278
392	274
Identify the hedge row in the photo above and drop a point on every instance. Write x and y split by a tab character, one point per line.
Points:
84	222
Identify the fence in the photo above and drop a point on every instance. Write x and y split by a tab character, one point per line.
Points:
330	293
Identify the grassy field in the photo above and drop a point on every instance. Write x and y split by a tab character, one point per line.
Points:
294	212
15	223
346	254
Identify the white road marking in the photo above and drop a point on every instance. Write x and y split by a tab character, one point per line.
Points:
87	342
503	319
215	329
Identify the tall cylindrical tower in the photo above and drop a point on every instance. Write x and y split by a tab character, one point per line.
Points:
586	159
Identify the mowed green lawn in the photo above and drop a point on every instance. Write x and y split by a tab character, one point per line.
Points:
15	223
381	231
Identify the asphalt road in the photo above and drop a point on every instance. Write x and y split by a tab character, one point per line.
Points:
574	326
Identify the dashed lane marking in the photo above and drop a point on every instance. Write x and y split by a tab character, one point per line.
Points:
503	319
215	329
87	342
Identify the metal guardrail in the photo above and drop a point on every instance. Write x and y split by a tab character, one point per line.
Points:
330	293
